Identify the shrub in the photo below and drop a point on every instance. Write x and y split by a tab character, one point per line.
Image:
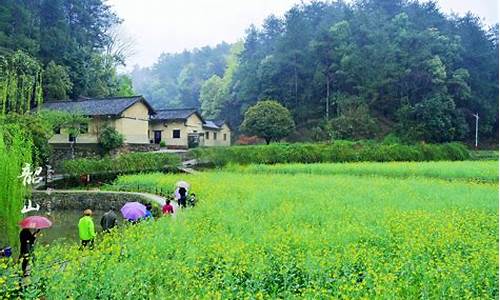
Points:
110	139
338	151
162	144
127	163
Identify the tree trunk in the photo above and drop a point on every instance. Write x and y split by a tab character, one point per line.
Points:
296	79
327	108
268	140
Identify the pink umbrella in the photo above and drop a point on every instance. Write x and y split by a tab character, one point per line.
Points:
35	222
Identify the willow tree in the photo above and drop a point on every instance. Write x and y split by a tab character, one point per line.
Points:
20	90
15	151
20	83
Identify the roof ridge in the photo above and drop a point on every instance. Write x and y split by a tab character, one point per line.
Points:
170	109
91	99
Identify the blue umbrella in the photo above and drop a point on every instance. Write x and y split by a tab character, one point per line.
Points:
133	210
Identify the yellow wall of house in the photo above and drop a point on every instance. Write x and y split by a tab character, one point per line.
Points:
192	125
219	141
83	138
133	124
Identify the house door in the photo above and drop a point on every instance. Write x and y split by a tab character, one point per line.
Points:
193	140
157	137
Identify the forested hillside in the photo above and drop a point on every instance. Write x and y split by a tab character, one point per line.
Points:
73	41
175	79
358	70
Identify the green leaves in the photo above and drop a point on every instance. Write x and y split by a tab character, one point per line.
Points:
109	138
268	119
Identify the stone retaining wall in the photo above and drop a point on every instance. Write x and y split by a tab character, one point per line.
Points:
84	200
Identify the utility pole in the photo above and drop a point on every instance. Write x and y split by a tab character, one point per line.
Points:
476	115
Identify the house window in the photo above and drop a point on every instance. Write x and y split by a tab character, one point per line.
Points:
176	133
84	128
224	136
71	138
207	135
215	135
57	130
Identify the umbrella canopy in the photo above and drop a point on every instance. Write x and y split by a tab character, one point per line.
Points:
35	222
133	210
182	184
178	185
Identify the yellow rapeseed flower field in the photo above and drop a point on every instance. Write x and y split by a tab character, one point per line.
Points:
273	234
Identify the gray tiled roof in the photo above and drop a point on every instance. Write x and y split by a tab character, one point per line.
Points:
210	125
174	114
112	106
219	123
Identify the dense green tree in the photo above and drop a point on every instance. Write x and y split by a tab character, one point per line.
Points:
215	93
210	96
71	33
124	86
56	82
269	120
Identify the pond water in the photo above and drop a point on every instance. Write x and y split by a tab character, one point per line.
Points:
65	225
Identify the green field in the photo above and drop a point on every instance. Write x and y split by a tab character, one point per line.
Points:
482	171
295	234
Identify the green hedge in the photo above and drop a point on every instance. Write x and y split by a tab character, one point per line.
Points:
338	151
127	163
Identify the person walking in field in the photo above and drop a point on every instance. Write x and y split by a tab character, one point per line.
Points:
109	220
27	239
182	197
86	229
167	209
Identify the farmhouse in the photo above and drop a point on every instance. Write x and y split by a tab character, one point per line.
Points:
139	123
128	115
186	128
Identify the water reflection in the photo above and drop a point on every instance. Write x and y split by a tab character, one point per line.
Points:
65	225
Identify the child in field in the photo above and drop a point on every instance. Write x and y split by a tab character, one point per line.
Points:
167	209
149	215
192	200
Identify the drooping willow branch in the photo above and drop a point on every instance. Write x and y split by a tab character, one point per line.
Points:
20	83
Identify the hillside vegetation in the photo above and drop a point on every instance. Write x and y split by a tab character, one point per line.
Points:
348	70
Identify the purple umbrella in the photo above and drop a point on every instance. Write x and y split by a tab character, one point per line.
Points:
133	210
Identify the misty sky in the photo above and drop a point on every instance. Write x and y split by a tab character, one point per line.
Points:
158	26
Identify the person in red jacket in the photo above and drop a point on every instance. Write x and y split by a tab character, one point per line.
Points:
167	208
